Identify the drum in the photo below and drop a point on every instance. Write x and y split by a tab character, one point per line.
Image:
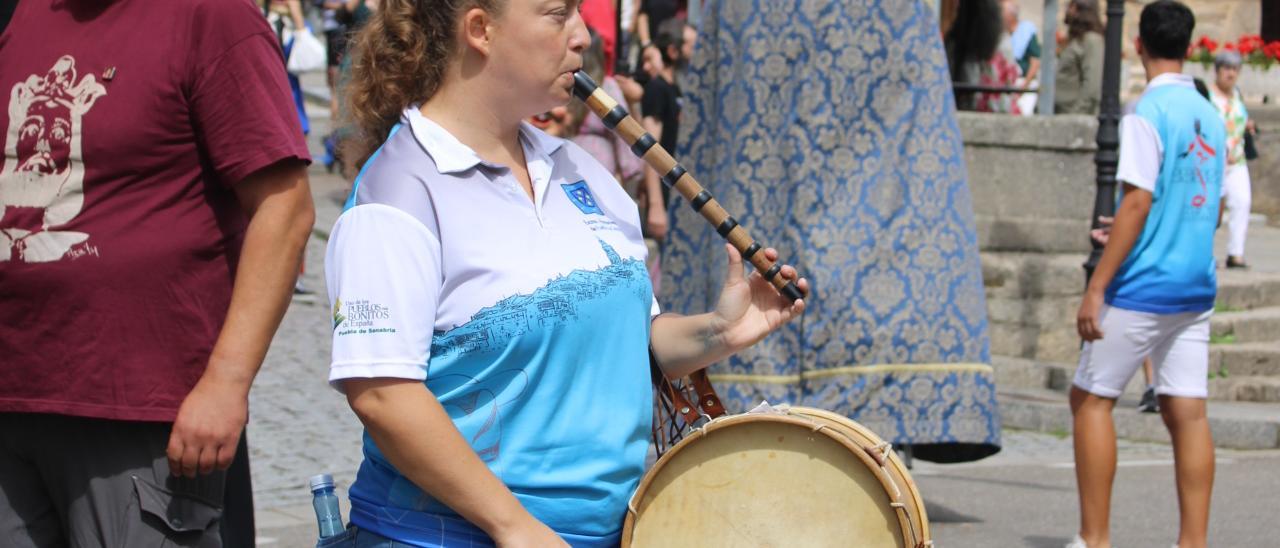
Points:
792	477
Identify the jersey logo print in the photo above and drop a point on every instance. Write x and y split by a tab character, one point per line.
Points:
42	182
1204	153
581	196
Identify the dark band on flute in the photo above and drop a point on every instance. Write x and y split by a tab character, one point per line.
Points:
643	144
773	271
700	200
615	115
674	175
726	226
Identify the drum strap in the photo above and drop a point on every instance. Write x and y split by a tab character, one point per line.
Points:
707	398
682	405
708	401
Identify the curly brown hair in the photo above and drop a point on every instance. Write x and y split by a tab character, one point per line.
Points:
399	58
1088	19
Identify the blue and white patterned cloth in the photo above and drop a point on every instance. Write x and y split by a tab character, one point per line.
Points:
828	128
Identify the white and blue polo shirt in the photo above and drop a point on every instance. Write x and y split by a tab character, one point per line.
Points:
528	320
1172	144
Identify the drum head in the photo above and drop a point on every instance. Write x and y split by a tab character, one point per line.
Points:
764	480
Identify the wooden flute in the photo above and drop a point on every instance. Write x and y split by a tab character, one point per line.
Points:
616	118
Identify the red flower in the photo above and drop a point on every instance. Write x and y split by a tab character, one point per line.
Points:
1272	50
1207	43
1250	43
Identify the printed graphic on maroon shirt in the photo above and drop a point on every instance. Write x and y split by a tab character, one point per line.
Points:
124	157
43	187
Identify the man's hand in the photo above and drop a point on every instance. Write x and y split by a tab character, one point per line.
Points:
1088	322
1103	233
208	428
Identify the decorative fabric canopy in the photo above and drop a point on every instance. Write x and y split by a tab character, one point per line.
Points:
828	127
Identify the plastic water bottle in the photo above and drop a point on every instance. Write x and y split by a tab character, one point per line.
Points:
326	504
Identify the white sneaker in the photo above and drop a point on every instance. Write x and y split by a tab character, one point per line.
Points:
1078	542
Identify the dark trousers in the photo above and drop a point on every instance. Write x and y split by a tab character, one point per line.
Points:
94	482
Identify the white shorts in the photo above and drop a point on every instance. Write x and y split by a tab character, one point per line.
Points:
1178	345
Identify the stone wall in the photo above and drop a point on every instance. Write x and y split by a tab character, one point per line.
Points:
1265	171
1032	180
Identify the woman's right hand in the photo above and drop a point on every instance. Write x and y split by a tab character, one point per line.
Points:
529	534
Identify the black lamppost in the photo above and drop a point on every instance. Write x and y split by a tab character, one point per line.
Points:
1108	156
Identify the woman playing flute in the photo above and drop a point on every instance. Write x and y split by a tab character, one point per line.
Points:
493	319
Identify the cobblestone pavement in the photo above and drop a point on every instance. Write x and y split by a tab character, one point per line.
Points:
298	425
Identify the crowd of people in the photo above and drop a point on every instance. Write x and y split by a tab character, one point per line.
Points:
992	47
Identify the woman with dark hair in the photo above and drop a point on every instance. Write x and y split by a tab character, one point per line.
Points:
493	322
1079	82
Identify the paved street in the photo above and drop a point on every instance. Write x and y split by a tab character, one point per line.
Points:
1024	496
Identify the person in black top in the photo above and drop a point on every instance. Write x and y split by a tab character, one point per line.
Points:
651	16
660	109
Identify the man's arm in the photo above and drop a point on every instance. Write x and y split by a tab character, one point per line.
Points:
1128	225
642	28
277	200
657	212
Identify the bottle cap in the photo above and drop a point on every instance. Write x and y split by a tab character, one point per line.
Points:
320	481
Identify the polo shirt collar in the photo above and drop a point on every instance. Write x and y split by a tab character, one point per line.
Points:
1172	79
452	156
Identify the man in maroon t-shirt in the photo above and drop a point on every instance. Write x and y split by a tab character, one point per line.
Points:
153	209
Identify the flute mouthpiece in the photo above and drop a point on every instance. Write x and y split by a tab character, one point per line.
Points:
583	85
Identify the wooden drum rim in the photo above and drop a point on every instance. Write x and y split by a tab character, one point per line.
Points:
815	421
893	466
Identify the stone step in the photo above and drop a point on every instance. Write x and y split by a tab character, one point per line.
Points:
1255	389
1245	359
1022	374
1247	290
1257	325
1033	234
1054	344
1060	276
1235	425
1017	275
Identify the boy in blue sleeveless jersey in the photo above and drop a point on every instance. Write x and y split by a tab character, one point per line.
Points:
1153	291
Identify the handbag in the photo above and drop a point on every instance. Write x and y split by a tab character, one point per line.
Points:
306	52
1250	148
